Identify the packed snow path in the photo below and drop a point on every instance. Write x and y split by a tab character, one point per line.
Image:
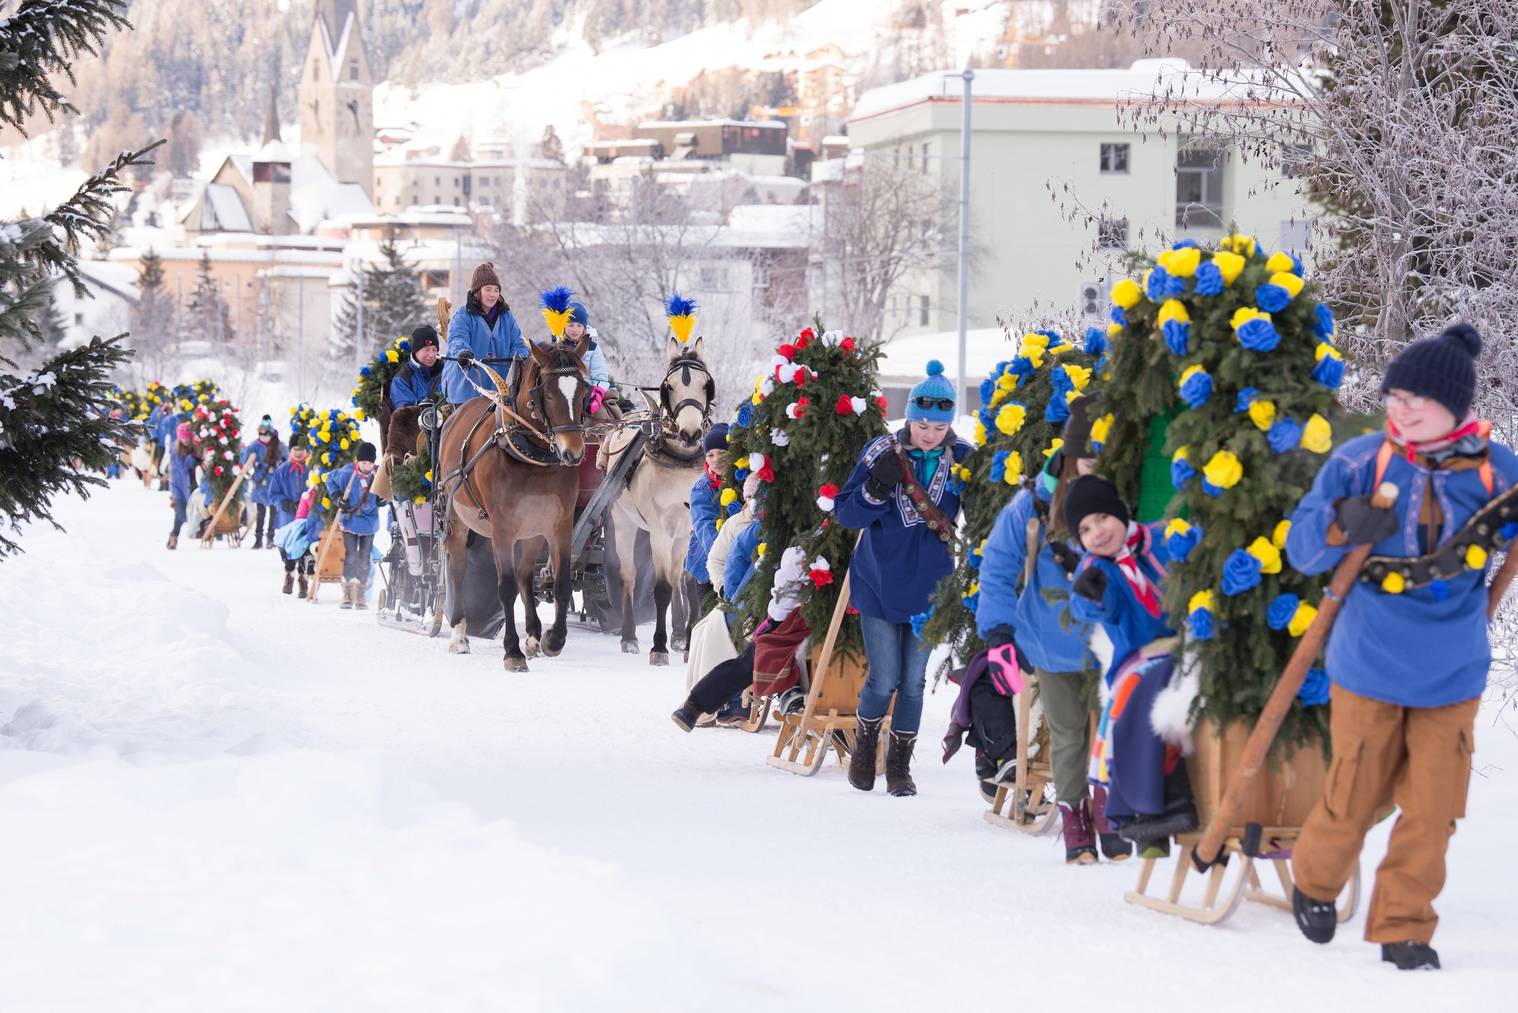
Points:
215	797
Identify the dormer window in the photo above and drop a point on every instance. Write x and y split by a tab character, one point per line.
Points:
353	70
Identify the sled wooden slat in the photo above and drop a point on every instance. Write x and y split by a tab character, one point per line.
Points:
215	527
1024	805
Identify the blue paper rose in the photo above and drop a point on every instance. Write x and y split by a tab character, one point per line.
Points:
1280	611
1181	472
1119	315
987	389
1197	389
1246	398
1212	490
734	507
1259	335
1180	546
1271	298
1096	341
1241	572
1177	336
1059	409
1187	244
1021	366
1329	371
1314	691
1201	623
1285	433
1323	322
919	621
745	414
1209	280
998	467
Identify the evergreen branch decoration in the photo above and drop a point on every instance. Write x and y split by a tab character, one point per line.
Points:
44	38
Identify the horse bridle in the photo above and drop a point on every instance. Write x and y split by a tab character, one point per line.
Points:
684	365
535	395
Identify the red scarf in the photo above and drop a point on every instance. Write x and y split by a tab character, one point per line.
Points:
1127	561
714	481
1469	428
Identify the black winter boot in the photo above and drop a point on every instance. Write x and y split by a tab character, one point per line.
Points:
1318	918
862	760
1410	956
899	764
686	715
1179	816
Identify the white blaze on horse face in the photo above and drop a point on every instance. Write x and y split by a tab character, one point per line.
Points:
568	385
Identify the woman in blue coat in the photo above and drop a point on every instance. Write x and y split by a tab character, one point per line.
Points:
266	454
898	563
358	515
483	328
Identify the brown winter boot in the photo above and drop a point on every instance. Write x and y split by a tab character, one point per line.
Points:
358	595
302	587
347	602
862	760
173	541
289	583
898	764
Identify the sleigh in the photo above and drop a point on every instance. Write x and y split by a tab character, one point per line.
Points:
1262	835
1029	803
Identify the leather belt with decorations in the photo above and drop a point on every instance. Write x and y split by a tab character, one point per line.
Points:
931	515
1489	530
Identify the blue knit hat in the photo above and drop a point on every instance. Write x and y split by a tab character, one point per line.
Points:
578	314
716	438
1442	368
936	386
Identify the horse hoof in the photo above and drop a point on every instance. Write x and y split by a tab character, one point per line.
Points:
517	664
459	648
658	658
531	647
630	647
553	644
677	644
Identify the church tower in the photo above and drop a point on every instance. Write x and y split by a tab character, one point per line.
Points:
337	95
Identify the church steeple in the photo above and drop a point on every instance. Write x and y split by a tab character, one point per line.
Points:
337	94
336	14
271	116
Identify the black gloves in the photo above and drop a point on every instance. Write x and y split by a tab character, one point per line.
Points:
1364	524
1092	583
289	506
885	475
1000	637
1065	556
465	358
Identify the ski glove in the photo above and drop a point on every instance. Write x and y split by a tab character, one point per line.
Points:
597	397
885	475
1364	524
1002	636
1092	583
465	359
1065	556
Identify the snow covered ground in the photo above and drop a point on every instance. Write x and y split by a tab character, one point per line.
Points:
215	797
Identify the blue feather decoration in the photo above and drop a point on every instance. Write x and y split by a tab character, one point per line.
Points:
679	306
557	299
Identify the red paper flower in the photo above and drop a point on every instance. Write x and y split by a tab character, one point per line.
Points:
821	578
847	344
844	406
787	351
802	376
881	401
829	490
766	473
806	337
218	469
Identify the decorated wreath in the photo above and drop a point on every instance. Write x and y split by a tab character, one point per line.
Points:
374	379
216	436
332	437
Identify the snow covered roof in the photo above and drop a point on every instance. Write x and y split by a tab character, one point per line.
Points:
316	197
691	124
1053	87
118	279
907	358
224	210
273	151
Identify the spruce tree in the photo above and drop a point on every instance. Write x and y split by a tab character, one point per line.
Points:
394	304
207	317
55	436
154	318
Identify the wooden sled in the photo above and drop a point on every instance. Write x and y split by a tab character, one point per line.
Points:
1028	804
330	567
228	525
1265	832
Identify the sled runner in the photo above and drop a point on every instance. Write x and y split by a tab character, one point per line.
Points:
1265	831
1029	803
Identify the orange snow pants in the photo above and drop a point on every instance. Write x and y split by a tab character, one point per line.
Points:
1417	757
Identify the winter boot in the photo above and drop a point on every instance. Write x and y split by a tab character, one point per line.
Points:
1080	839
1114	848
1006	772
1410	956
1318	919
360	598
686	715
347	602
1178	817
987	791
862	760
898	764
289	583
302	587
258	540
173	541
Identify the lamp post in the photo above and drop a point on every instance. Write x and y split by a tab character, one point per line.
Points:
964	226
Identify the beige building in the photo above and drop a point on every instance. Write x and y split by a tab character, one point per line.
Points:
408	179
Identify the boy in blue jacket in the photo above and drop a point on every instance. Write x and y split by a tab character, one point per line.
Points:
901	557
1120	585
705	506
358	515
1408	659
422	376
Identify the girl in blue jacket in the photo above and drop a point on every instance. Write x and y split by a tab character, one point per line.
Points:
1120	585
706	506
1408	659
286	488
898	563
483	328
182	466
358	515
1014	607
265	454
577	330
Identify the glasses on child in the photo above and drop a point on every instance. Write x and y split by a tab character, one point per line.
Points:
941	403
1411	402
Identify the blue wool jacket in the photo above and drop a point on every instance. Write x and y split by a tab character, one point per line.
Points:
1046	632
1421	648
359	512
467	331
704	508
595	363
415	383
899	561
181	475
286	485
742	561
263	472
163	432
1128	624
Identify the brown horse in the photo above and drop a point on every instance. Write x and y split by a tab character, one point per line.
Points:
510	468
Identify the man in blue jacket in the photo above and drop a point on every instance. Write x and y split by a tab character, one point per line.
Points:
358	516
483	328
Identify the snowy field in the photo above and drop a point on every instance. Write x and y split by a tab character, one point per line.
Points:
217	798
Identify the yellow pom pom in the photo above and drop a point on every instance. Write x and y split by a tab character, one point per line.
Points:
1200	600
1262	413
1053	447
1292	283
1011	417
1126	293
1301	619
728	497
326	503
1475	557
1014	472
1317	435
343	445
1265	551
1177	527
1079	376
1394	583
391	356
358	413
762	546
1172	309
1278	536
1230	265
1224	470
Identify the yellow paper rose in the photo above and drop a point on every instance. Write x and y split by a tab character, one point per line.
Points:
1268	555
1279	262
1230	265
1317	435
1201	600
1278	536
1014	472
1183	262
1262	413
1292	283
1172	309
1011	417
1301	619
1223	470
1126	293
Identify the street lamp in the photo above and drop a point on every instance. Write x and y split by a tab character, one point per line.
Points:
964	222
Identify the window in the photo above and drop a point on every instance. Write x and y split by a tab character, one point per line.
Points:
712	277
911	158
1112	233
1199	188
923	306
924	159
1294	159
1114	159
353	71
761	276
1091	298
78	319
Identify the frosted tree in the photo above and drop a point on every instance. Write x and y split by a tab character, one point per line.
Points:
154	320
394	304
206	315
54	433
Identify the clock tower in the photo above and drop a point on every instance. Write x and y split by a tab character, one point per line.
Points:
337	95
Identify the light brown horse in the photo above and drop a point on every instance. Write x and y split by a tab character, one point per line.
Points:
510	469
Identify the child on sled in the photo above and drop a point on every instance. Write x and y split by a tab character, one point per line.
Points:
1119	585
1408	659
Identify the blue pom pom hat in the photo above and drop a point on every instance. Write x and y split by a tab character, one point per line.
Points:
936	388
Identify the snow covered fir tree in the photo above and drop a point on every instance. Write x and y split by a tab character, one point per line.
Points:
392	299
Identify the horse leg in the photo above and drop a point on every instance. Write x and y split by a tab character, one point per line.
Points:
562	587
528	553
506	576
454	551
626	537
669	569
